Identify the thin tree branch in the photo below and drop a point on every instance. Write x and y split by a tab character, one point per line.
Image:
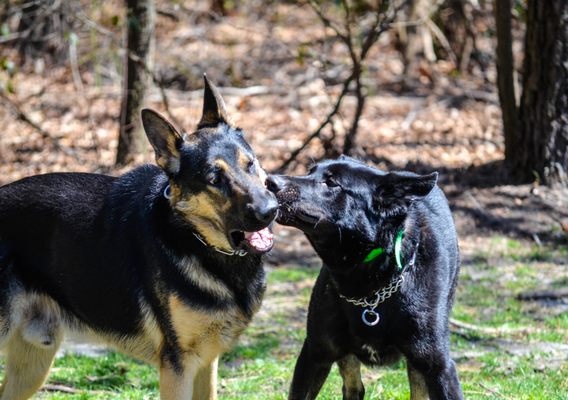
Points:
318	131
381	23
328	23
22	116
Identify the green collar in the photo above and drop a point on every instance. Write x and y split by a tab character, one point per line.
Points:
376	252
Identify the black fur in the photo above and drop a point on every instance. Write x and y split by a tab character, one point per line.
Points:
108	250
346	209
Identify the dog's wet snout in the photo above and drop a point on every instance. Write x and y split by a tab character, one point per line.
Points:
264	211
286	191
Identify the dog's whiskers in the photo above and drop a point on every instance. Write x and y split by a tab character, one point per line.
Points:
318	221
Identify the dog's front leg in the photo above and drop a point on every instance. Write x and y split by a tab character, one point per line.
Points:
350	370
443	382
205	387
309	375
440	376
177	383
418	388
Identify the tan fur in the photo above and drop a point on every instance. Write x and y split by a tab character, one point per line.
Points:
204	211
175	193
223	166
261	173
350	371
243	159
177	386
27	367
200	277
40	321
205	334
33	339
169	160
205	383
418	389
203	337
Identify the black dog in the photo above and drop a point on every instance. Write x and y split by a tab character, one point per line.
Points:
163	263
390	267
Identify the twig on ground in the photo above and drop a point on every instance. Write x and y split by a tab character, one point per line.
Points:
60	388
71	390
461	327
546	294
493	391
171	14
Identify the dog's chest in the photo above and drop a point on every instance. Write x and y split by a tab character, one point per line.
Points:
205	333
373	345
375	352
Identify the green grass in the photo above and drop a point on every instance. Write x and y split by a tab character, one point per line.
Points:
523	361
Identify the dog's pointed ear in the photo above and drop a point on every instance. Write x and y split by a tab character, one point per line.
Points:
214	110
396	187
165	139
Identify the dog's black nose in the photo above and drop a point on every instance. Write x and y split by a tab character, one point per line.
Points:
274	183
266	212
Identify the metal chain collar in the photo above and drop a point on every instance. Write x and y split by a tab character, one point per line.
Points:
379	296
369	316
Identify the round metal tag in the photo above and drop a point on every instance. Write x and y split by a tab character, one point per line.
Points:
370	317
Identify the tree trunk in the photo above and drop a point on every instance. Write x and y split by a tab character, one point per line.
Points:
138	65
218	7
505	78
543	134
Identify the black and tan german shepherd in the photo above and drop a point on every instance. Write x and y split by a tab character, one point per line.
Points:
390	266
163	264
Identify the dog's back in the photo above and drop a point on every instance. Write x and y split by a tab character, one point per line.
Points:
61	233
434	210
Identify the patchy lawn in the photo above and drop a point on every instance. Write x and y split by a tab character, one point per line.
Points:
511	349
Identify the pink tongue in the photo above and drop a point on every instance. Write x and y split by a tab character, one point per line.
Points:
261	240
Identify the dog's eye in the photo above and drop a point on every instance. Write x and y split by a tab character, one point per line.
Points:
330	182
213	178
250	167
